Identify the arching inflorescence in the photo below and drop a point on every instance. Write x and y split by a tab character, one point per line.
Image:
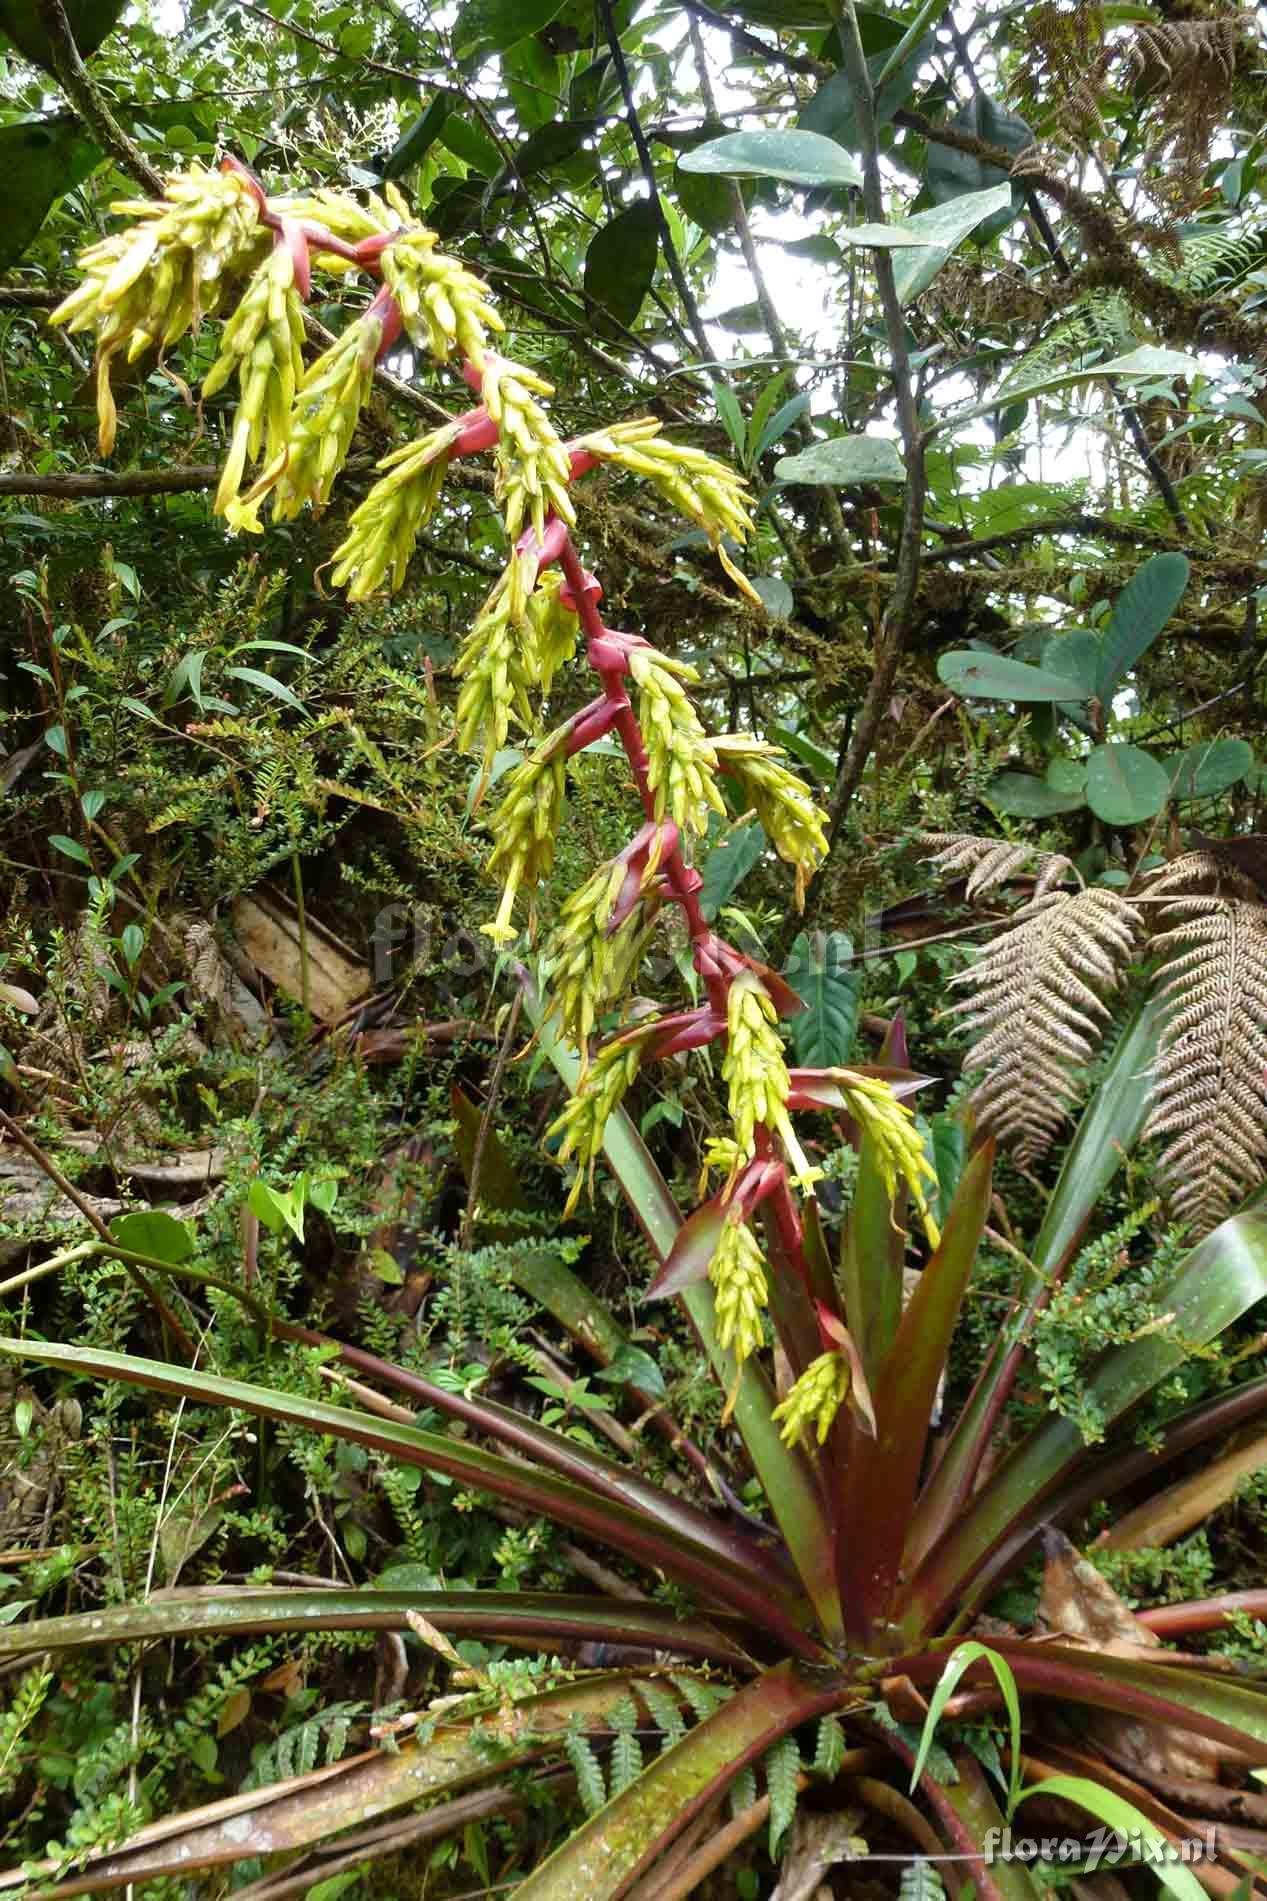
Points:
217	245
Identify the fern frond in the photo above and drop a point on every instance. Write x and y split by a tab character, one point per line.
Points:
1037	1008
921	1882
992	861
587	1769
1198	868
1210	1088
782	1775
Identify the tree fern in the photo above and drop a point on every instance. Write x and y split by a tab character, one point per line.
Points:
990	862
1210	1103
1038	1010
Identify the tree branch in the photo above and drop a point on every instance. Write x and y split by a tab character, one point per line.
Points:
90	102
647	163
899	613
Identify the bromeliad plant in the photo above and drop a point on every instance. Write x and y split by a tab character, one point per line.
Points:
844	1609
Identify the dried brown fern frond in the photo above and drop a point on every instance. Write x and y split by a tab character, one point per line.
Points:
1038	1009
1210	1092
992	861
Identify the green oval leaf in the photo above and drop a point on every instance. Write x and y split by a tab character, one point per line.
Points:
993	676
1125	784
1142	609
830	987
1021	795
620	262
727	865
798	158
89	21
1210	768
844	460
152	1232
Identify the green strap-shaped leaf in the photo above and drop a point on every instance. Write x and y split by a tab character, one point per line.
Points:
302	1810
1215	1284
517	1616
631	1531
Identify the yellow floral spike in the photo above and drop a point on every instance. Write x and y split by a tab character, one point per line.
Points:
263	342
682	763
705	490
898	1144
756	1073
383	530
794	824
738	1273
525	826
815	1399
145	287
599	1095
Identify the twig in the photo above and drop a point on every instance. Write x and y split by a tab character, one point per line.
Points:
899	613
771	55
486	1120
647	163
48	1167
90	102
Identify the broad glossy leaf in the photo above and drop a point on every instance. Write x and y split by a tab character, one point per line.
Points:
821	971
150	1231
40	160
777	597
727	865
816	757
1140	612
1125	784
844	460
418	137
621	259
527	1617
1077	654
1022	795
607	1854
952	174
1208	769
995	676
489	26
831	109
705	198
90	21
938	230
798	158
